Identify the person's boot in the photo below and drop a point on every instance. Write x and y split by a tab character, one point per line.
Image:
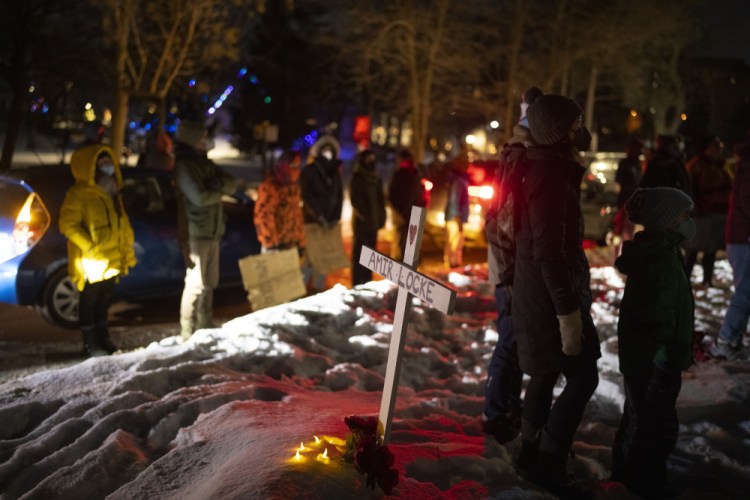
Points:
550	470
91	346
102	332
526	458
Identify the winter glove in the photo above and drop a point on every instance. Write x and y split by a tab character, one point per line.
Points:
215	183
571	332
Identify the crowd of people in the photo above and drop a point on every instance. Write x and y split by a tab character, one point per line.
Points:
670	212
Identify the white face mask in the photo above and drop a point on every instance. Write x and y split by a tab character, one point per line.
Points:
107	169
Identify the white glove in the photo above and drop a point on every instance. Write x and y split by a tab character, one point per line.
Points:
571	332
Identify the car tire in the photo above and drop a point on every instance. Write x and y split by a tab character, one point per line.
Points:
60	300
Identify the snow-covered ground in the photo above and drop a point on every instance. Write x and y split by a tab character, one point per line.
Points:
222	415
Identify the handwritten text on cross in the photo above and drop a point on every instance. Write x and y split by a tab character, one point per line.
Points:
410	283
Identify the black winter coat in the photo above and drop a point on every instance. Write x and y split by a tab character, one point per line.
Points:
322	191
552	271
367	198
666	170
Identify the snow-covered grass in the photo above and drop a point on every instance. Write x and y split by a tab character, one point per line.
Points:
221	416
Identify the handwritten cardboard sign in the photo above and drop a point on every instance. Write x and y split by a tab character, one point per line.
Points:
325	249
272	278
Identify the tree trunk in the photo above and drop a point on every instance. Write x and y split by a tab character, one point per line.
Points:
119	121
588	113
511	87
14	121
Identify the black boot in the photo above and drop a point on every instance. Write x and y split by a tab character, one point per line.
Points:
102	334
526	458
550	470
91	346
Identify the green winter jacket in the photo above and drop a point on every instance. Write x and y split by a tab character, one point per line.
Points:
656	314
200	187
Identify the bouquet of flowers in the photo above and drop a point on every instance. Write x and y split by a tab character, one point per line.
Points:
365	450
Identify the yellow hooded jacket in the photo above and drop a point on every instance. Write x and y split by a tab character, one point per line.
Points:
100	238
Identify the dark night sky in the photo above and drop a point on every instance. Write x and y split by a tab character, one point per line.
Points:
728	28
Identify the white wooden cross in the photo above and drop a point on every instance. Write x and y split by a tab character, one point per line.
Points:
410	283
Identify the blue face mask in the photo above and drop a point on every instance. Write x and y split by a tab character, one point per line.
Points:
107	169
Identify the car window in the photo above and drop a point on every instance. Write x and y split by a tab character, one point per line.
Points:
142	196
12	198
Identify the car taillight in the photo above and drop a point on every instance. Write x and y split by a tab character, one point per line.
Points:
32	222
484	192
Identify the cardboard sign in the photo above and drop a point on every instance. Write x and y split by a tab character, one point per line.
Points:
272	278
325	249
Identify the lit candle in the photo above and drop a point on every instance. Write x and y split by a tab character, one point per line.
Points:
323	457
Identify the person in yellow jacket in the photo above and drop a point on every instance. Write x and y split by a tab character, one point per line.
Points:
100	240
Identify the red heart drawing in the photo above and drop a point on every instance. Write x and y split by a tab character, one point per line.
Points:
412	233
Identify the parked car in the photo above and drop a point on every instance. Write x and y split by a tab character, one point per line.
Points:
481	173
599	195
33	253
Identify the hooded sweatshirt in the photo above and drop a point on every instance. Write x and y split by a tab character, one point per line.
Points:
100	238
656	314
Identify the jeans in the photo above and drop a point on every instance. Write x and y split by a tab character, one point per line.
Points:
735	321
196	306
504	376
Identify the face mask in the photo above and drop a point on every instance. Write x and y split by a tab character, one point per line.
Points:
687	229
327	154
581	139
107	169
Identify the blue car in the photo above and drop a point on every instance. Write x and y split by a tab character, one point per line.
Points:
33	254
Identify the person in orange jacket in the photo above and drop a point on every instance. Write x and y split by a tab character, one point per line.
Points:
278	209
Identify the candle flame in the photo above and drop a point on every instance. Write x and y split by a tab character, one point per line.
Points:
297	456
317	439
301	446
325	453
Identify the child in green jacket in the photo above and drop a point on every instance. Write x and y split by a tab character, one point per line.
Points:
654	332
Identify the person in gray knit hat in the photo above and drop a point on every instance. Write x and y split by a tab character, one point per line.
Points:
551	117
551	294
656	209
655	338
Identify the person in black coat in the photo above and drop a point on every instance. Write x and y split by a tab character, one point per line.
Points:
666	168
551	294
404	191
322	198
368	207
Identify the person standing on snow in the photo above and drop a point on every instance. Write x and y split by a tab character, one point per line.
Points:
655	338
100	241
278	210
665	167
502	399
551	294
200	187
456	211
711	186
368	207
322	196
729	342
404	191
